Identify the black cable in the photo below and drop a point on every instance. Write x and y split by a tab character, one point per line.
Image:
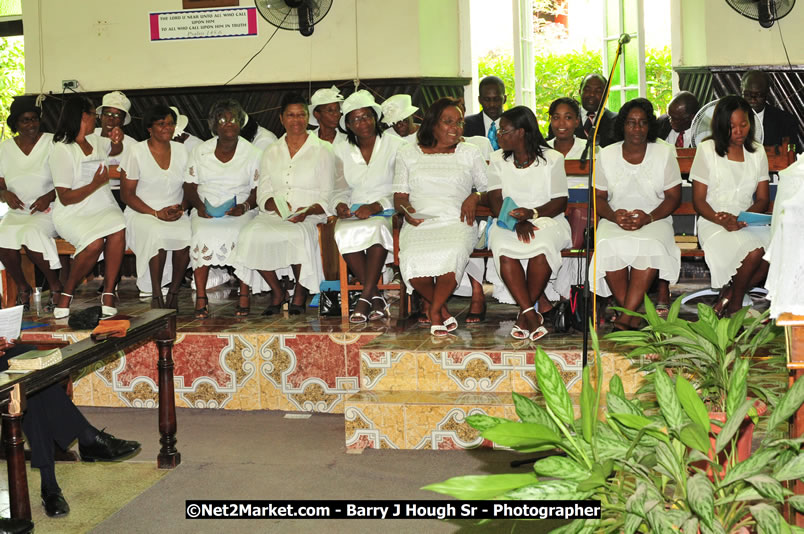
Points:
258	51
790	65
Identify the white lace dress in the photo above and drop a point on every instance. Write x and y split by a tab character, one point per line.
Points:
633	187
214	240
158	188
437	184
367	183
730	187
98	215
269	242
29	178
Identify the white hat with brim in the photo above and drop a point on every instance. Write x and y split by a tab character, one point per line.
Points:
358	100
118	100
397	108
181	122
321	97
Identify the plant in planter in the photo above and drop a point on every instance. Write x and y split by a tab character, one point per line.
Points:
642	464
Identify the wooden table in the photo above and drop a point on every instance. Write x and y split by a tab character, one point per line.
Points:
159	325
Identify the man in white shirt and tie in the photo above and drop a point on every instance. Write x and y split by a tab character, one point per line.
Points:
674	127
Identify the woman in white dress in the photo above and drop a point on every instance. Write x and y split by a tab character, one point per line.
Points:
86	214
638	188
565	117
730	175
325	114
297	180
27	187
533	177
433	186
363	233
221	178
151	185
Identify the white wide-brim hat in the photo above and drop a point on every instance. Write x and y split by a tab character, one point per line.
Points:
397	108
323	96
181	122
358	100
118	100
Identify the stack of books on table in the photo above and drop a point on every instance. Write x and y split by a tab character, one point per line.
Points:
34	359
687	242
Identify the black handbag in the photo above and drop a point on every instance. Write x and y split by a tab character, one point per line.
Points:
561	319
329	304
85	319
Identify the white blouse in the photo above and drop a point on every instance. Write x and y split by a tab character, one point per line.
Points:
639	186
28	177
156	186
730	184
439	183
308	178
218	182
578	146
368	182
72	169
533	186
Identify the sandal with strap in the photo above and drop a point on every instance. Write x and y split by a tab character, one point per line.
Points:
62	313
516	331
475	318
243	311
438	330
358	317
203	312
107	311
276	309
451	323
541	331
381	313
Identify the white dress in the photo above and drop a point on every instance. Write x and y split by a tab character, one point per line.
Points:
158	188
531	187
98	215
29	178
578	146
632	187
269	242
438	184
263	138
367	183
214	240
730	187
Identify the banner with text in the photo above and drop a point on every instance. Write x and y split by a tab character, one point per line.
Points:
204	23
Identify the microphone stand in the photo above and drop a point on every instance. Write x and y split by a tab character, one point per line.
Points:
591	215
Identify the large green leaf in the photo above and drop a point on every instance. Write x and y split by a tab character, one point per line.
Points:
738	386
690	526
788	404
792	470
481	421
561	467
553	388
692	403
768	487
651	316
588	402
675	308
797	502
574	527
638	422
668	399
617	404
519	435
558	490
732	425
768	518
632	523
530	412
616	386
693	435
701	498
482	486
751	466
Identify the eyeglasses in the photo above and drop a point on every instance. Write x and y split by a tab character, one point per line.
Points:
753	95
449	123
224	120
333	111
355	119
28	120
112	115
501	132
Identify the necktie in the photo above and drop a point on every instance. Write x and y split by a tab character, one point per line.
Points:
493	136
680	140
589	124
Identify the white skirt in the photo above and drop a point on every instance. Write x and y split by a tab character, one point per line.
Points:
356	235
552	236
81	229
35	231
725	251
214	240
434	248
146	236
651	247
270	243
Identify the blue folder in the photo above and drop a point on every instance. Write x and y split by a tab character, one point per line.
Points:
505	220
219	211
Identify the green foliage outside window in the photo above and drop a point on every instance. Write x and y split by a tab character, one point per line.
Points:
560	75
12	66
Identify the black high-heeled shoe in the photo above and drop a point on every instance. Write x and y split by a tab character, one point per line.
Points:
203	312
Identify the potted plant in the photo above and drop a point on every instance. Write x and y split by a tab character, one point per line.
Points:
642	463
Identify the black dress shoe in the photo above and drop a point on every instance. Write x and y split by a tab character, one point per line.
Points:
107	448
15	526
55	504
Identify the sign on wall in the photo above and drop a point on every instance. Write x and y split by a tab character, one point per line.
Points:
203	23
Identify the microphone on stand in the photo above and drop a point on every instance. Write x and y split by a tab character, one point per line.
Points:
624	39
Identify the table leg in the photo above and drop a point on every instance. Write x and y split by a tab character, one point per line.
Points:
169	457
15	456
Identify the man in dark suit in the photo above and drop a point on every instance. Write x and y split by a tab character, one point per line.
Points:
776	123
592	88
674	126
52	418
487	122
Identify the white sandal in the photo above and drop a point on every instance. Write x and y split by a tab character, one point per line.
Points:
438	330
382	313
539	332
358	317
62	313
520	333
107	311
451	324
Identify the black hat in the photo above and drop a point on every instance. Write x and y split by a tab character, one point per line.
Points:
20	105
